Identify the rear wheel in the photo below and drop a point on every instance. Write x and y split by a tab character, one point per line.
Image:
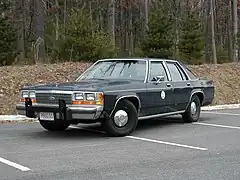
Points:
192	113
123	121
54	126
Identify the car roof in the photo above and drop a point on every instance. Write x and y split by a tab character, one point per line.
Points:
138	59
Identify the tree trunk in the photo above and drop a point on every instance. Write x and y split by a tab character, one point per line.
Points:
146	14
38	27
177	15
235	31
213	32
122	32
65	17
20	26
90	13
206	31
100	16
131	40
229	27
112	21
57	19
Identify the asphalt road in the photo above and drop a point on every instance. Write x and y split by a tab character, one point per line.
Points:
159	149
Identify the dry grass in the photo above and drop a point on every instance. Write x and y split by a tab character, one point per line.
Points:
226	78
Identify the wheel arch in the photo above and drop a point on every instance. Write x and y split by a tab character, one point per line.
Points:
132	98
200	95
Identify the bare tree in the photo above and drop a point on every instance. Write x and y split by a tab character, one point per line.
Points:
230	50
213	32
57	19
19	19
235	31
146	13
65	16
206	29
112	20
38	28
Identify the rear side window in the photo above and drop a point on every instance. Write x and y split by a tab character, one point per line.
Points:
174	72
190	73
184	77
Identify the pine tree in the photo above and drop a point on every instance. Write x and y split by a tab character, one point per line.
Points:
8	38
4	8
84	41
191	45
159	40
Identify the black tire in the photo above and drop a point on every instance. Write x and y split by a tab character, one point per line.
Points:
54	126
113	129
188	115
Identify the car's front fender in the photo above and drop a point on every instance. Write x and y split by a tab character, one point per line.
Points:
111	101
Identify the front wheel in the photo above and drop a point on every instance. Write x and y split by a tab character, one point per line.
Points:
192	113
123	121
54	126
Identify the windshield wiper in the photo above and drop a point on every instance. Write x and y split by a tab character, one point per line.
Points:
97	78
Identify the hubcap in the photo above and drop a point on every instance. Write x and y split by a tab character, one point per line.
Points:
121	118
193	108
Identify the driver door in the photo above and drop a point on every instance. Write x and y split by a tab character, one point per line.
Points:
159	90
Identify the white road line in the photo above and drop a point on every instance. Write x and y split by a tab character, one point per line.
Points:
217	125
148	140
15	165
221	113
167	143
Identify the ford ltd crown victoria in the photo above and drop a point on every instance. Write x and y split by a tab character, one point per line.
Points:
118	93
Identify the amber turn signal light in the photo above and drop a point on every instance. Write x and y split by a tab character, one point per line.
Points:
23	100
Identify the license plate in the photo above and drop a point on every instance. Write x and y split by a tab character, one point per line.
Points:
46	116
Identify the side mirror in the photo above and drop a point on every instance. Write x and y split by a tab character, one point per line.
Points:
160	78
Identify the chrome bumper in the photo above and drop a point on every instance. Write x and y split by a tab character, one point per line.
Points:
75	112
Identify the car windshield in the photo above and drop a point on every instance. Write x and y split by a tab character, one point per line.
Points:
120	69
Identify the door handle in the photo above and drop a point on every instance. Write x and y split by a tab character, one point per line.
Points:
188	84
169	85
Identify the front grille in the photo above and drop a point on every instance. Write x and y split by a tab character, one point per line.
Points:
52	98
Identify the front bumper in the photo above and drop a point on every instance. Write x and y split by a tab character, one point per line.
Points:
61	111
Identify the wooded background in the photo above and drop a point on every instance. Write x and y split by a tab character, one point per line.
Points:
46	31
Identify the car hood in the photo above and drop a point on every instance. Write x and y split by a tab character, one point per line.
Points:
83	85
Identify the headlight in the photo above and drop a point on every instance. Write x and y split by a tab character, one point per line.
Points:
90	97
32	94
25	94
87	98
79	96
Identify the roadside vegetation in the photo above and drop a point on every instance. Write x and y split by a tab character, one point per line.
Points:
51	31
226	78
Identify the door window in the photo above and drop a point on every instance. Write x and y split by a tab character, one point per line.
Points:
157	69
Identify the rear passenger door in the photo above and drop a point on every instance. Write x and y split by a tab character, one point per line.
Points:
181	86
159	93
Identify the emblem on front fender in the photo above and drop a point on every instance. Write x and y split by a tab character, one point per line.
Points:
51	98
